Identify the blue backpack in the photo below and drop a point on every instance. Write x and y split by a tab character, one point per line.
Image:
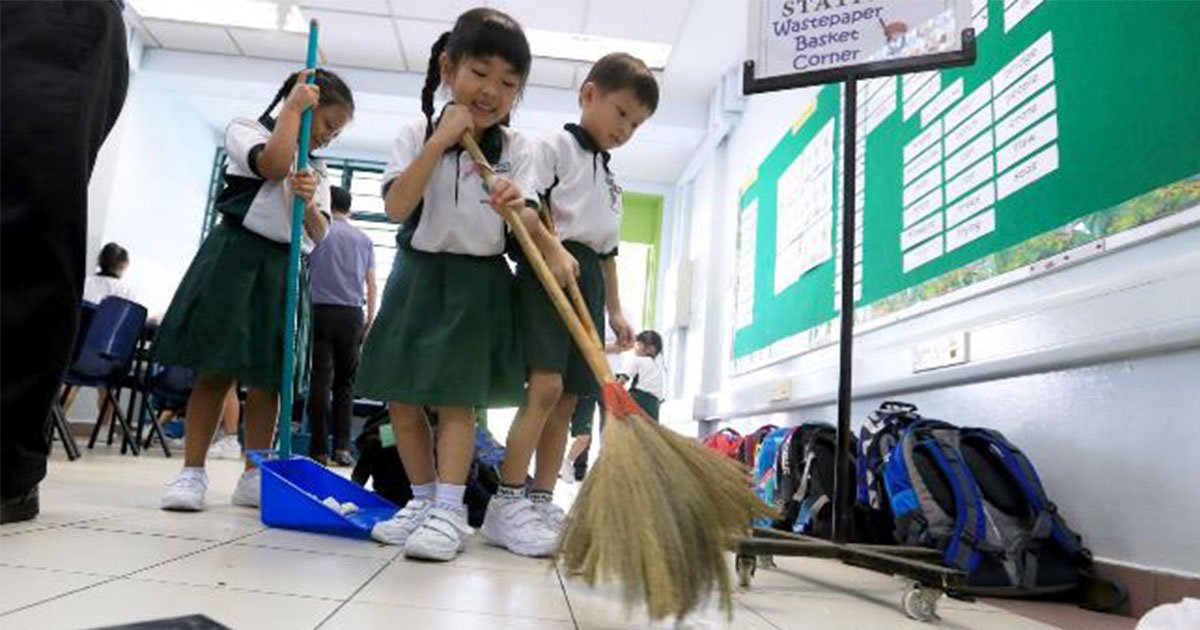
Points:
765	478
973	495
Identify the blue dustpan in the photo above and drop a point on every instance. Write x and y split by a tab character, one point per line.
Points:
293	490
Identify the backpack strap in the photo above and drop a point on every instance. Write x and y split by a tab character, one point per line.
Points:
963	531
1048	521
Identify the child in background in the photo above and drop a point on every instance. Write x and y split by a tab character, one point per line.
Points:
226	319
584	202
445	335
644	374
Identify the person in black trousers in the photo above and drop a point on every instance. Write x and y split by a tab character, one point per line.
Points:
64	71
342	266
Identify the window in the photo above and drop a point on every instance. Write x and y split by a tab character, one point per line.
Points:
363	178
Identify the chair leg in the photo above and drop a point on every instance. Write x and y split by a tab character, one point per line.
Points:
127	440
96	427
63	429
112	426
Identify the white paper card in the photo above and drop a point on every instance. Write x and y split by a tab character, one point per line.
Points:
1042	134
973	228
923	254
971	204
1027	172
921	231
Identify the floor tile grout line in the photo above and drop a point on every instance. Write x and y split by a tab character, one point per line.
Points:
119	577
562	583
358	590
758	614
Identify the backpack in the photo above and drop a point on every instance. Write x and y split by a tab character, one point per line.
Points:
727	442
877	438
382	465
973	495
815	490
748	453
790	471
765	476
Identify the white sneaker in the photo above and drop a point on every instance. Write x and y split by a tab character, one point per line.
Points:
441	537
396	530
186	491
248	492
516	525
226	448
567	471
551	514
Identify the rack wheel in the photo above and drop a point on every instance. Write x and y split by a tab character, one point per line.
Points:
746	566
920	603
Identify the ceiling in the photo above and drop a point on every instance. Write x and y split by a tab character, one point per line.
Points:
375	38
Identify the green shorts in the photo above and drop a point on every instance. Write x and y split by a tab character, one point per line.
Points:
546	343
581	419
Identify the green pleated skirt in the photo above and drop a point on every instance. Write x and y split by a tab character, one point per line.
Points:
227	316
445	334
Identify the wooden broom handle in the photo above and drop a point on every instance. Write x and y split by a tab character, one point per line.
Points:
589	347
581	307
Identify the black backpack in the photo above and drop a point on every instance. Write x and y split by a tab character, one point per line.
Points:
381	465
790	472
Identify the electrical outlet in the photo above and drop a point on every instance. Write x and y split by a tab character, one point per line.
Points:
941	352
781	390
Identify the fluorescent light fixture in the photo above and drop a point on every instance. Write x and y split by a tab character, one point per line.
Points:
580	47
267	16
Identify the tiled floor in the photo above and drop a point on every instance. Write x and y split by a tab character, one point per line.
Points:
102	553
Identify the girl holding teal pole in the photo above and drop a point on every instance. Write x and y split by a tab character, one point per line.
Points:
228	318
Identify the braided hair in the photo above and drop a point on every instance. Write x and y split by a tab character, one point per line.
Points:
334	91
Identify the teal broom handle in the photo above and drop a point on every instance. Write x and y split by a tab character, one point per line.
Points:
287	388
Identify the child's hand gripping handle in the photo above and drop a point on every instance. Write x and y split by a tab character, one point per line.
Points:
577	320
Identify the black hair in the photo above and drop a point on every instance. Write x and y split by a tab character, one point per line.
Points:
652	339
480	32
334	91
619	71
340	198
112	257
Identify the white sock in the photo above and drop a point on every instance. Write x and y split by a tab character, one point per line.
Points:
450	497
425	491
541	496
195	470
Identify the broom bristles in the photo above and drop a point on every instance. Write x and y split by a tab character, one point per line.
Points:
657	514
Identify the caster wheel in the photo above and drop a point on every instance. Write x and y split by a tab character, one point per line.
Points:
921	603
746	566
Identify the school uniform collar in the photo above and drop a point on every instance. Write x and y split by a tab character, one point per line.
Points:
588	143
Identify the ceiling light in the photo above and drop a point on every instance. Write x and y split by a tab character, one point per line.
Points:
268	16
580	47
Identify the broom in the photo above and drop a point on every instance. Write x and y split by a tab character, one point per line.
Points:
659	510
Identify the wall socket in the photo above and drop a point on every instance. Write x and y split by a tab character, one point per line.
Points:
781	390
941	352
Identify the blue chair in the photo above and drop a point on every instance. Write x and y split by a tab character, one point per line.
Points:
167	384
105	357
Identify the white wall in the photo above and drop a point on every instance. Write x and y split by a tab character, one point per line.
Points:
151	186
1092	369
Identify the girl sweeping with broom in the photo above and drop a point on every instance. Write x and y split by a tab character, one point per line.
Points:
445	335
660	511
226	319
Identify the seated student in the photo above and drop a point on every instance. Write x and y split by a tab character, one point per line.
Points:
644	373
112	263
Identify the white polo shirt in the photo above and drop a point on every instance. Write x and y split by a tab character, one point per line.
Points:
456	217
269	212
583	193
645	374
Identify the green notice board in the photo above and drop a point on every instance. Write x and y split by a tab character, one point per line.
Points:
1079	119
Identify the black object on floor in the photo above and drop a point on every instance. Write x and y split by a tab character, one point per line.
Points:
190	622
23	507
